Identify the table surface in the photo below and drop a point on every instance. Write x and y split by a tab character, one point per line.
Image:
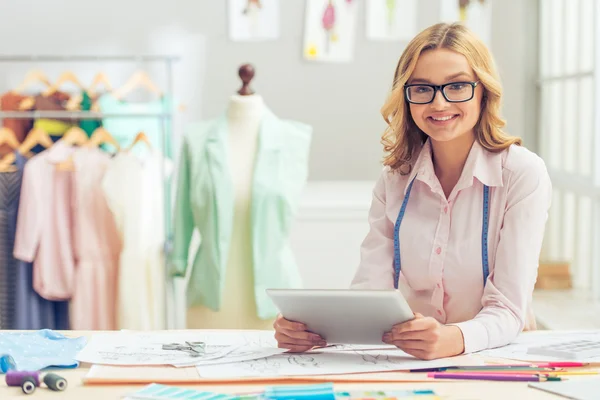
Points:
463	390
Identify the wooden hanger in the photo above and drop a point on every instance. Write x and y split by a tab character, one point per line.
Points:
74	136
99	79
139	78
140	137
101	136
65	77
34	137
35	76
8	136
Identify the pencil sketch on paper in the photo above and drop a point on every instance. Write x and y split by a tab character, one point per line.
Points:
133	348
323	363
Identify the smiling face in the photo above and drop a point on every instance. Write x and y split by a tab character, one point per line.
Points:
441	120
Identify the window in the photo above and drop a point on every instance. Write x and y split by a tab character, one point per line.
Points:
569	134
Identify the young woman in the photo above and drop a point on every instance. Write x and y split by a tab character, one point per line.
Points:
458	215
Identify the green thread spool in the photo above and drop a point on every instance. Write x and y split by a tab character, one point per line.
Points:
55	382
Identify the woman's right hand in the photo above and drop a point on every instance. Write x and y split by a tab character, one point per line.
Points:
294	336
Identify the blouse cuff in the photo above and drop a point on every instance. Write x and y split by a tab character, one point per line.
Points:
475	335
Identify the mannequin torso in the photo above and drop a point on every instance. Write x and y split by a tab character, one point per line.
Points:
238	310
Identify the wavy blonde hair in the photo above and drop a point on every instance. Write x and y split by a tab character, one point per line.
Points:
402	138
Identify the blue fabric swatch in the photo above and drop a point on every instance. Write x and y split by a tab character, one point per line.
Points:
33	351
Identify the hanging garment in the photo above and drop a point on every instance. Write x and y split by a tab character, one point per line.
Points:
32	310
134	190
29	309
10	187
10	102
205	200
124	129
96	243
88	125
44	224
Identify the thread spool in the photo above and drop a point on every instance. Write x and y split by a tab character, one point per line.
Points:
7	363
27	380
55	382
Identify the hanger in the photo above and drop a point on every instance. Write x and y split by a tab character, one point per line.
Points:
101	136
35	76
99	79
139	78
34	137
74	136
8	136
140	137
65	77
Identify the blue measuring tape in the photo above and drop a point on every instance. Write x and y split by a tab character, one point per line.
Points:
484	234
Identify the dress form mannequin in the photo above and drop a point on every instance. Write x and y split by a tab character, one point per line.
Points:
238	311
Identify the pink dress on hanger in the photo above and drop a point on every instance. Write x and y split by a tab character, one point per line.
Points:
66	229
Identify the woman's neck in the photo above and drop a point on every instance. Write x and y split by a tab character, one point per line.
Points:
449	160
241	107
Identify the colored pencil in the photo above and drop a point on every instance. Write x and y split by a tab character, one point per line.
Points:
494	377
503	367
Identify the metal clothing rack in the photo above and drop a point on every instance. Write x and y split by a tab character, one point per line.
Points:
165	120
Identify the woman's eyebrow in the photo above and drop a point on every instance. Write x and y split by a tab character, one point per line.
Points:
448	78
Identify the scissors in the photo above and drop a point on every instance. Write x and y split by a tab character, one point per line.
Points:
194	349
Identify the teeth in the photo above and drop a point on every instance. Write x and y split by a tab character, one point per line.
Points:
443	118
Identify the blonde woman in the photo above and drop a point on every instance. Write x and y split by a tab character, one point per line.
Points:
458	214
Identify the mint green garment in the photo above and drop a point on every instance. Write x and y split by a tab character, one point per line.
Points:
124	129
205	199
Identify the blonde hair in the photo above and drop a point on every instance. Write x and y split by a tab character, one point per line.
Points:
402	138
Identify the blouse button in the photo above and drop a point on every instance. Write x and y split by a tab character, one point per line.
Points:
439	312
439	286
446	210
438	250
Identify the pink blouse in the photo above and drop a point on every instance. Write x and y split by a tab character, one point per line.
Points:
441	245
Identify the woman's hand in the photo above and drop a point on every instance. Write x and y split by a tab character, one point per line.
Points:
294	336
425	338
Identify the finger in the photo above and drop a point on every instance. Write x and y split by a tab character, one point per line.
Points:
289	325
282	337
294	348
410	344
302	335
417	324
420	354
414	335
417	315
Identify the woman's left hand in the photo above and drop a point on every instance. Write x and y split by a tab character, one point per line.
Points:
425	338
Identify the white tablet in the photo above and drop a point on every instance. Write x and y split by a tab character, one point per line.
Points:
343	316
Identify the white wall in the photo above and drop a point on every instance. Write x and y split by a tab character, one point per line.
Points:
342	102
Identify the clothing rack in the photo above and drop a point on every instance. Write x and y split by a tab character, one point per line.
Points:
165	119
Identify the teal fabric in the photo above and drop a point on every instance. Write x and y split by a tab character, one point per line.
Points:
33	351
124	129
88	125
205	200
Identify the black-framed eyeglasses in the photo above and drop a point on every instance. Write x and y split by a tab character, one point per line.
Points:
454	92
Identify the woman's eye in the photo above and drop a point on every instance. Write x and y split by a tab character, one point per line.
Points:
457	86
423	89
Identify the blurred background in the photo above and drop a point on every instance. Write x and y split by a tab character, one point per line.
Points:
328	64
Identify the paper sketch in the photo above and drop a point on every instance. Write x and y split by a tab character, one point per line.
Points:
391	19
518	349
314	363
253	20
329	30
134	348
